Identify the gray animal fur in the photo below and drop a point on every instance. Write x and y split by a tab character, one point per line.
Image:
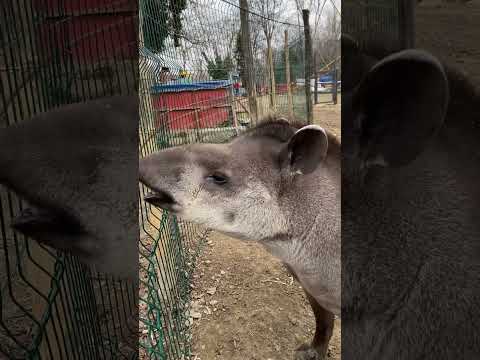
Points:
410	201
76	167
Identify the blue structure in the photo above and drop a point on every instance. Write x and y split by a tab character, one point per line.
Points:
190	86
327	78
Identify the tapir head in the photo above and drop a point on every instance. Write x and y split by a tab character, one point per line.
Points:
391	114
391	119
77	168
238	188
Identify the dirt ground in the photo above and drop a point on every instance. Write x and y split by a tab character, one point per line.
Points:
450	31
245	306
328	116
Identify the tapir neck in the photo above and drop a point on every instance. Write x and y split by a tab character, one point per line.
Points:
312	202
431	208
312	248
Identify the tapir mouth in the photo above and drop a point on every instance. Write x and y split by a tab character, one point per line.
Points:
162	199
32	221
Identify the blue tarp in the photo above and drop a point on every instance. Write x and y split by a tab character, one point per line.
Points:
191	86
326	78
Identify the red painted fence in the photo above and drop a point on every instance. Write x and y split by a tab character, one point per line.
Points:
89	31
194	105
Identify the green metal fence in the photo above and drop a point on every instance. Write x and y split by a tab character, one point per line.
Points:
53	53
192	89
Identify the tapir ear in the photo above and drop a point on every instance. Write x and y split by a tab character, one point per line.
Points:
306	149
400	105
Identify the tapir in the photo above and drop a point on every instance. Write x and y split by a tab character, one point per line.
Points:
410	209
76	167
278	184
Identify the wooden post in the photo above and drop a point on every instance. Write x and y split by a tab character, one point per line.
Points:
315	76
197	125
271	71
308	64
248	58
287	76
268	87
406	22
334	87
234	107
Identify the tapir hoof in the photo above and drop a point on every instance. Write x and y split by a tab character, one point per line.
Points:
306	352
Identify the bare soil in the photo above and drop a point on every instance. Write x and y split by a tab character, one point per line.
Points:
328	116
451	31
245	306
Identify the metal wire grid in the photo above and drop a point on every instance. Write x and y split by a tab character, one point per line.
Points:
379	25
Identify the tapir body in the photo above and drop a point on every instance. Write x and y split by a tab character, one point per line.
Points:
77	168
277	184
410	211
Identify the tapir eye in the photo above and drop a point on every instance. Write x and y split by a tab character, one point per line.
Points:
218	179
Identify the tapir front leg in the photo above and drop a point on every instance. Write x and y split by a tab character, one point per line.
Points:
324	321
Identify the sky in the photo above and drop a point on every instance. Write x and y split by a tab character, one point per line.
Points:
313	5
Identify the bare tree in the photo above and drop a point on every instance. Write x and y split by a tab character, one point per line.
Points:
270	11
317	11
256	37
327	41
326	28
211	40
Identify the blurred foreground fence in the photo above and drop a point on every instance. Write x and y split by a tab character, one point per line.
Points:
380	26
204	77
54	53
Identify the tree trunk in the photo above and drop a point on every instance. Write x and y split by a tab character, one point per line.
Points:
315	76
334	88
308	65
287	76
271	74
248	57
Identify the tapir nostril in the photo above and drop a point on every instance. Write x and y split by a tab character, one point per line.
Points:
161	199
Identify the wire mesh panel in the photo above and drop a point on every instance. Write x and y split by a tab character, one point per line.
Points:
194	87
52	53
383	26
